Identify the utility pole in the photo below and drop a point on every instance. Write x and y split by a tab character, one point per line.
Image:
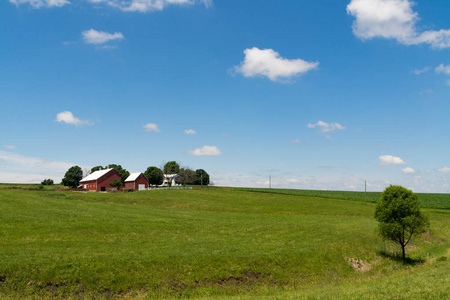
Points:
365	190
201	180
270	181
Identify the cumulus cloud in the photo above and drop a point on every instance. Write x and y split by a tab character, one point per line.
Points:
443	69
444	170
206	151
93	36
326	127
151	127
420	71
148	5
190	131
408	170
393	19
41	3
267	62
386	160
68	118
10	147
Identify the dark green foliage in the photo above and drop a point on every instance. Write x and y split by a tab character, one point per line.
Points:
97	168
72	177
399	216
154	175
116	183
47	182
171	167
186	176
202	177
122	172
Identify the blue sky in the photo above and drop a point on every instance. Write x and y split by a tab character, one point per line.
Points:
317	94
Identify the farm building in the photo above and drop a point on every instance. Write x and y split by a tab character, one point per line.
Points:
100	180
136	181
169	180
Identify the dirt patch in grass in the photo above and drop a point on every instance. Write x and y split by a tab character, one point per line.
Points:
247	279
359	265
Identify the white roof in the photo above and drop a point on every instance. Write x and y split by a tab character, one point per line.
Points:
170	175
132	177
96	175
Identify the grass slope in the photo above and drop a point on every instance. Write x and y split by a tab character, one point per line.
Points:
428	200
208	243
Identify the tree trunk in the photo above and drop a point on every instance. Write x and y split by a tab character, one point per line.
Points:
403	253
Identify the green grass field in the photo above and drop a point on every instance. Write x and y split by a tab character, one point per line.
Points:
210	243
427	200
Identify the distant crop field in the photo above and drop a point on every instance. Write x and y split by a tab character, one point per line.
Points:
428	200
209	243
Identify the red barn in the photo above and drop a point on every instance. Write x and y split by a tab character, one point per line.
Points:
136	181
100	180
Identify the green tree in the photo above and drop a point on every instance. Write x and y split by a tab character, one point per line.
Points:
72	177
47	182
154	175
122	172
186	176
202	177
97	168
399	216
171	167
116	183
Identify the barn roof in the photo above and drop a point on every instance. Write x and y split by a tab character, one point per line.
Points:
132	177
96	175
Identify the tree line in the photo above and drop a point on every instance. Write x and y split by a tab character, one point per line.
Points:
155	175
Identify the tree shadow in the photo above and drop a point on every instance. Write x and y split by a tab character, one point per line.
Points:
398	257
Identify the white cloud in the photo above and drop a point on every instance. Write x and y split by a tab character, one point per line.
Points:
267	62
293	180
420	71
206	151
68	118
444	170
296	141
190	131
151	127
443	69
393	19
93	36
16	168
10	147
408	170
386	160
326	127
148	5
41	3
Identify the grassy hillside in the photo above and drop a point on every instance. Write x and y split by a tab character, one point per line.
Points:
428	200
209	243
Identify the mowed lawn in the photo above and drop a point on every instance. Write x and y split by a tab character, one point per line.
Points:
209	243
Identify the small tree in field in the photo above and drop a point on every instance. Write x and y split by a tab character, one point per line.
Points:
72	177
47	182
399	216
116	183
